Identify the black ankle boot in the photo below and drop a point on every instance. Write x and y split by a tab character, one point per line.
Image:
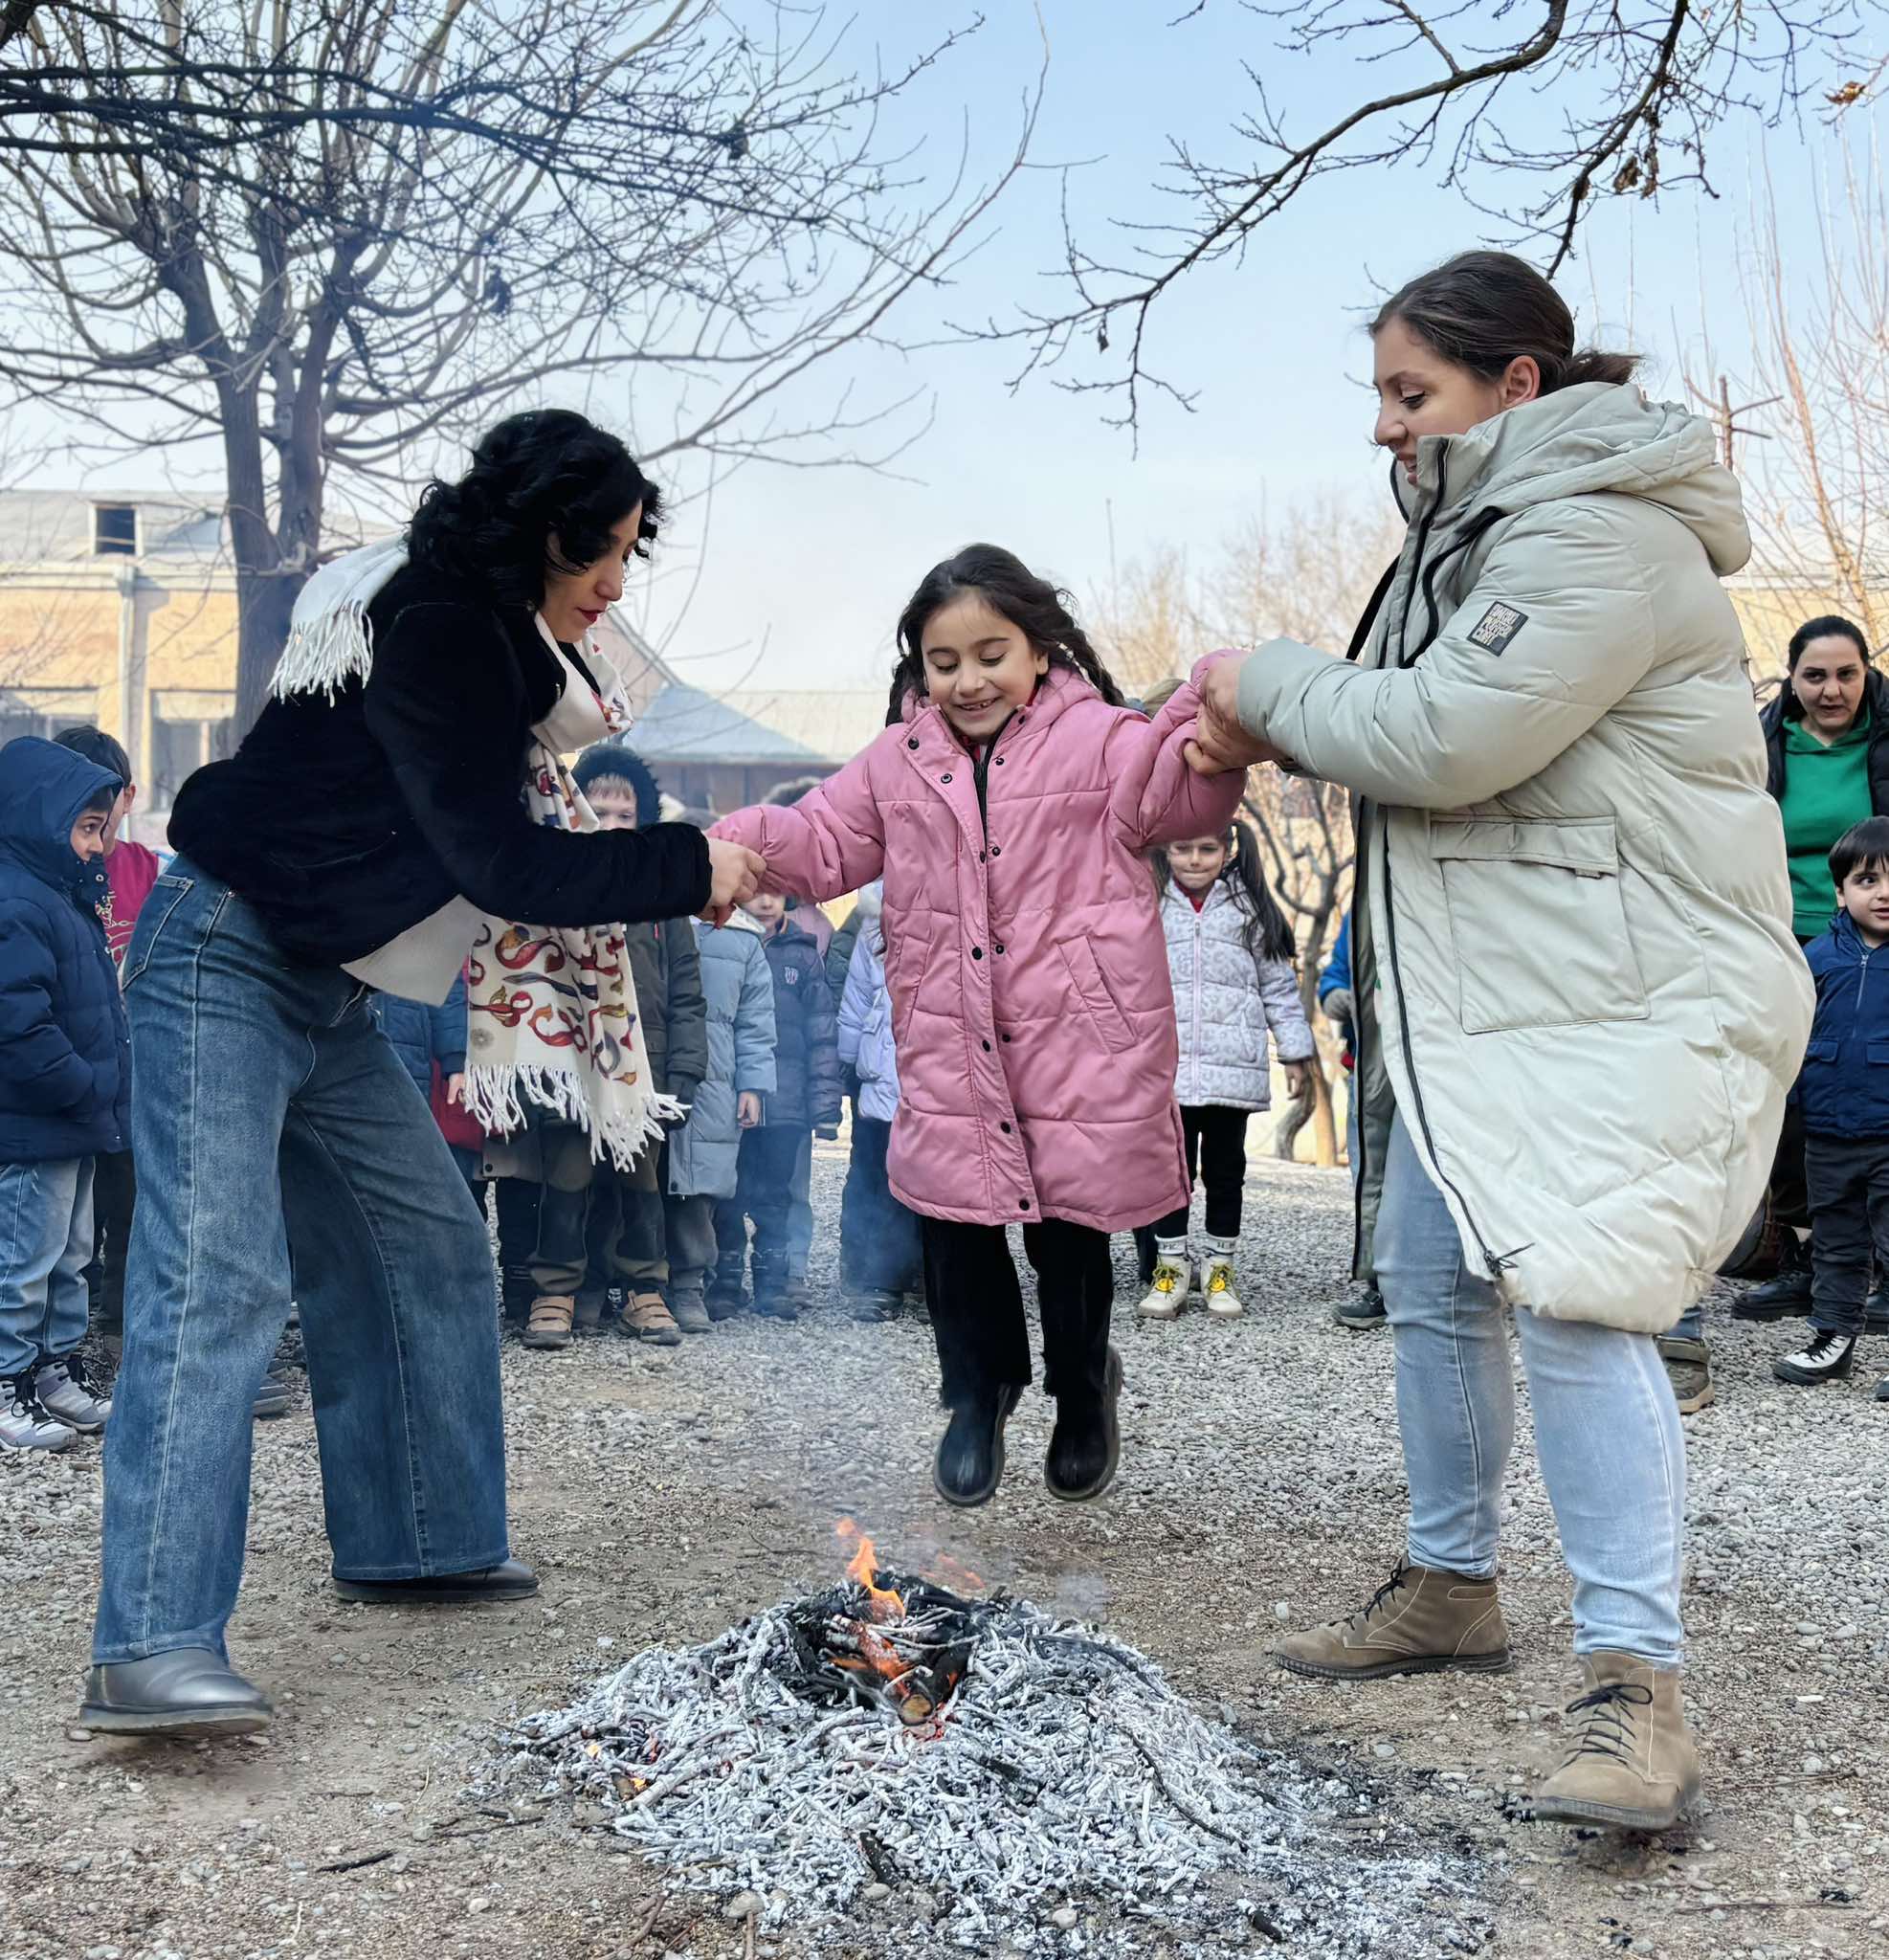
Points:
969	1463
1784	1298
1086	1442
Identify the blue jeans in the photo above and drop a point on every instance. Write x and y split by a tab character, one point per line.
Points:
45	1246
263	1095
1606	1428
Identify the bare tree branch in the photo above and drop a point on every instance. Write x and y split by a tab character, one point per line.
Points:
1532	109
330	231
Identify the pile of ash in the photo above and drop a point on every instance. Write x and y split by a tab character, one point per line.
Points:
1017	1774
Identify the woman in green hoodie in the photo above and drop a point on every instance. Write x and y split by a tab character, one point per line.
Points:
1579	1003
1827	748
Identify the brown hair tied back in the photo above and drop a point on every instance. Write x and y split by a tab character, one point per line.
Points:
1482	310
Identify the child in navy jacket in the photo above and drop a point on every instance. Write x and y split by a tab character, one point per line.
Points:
1845	1095
65	1081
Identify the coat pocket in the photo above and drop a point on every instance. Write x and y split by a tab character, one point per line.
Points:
1091	989
167	892
907	958
1538	922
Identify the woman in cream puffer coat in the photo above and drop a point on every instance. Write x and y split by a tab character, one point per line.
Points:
1580	1004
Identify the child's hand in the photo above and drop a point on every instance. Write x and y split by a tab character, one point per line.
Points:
748	1110
1220	741
1298	1080
456	1091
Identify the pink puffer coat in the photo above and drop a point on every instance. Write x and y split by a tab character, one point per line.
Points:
1031	1007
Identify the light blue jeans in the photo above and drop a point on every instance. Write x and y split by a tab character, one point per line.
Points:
45	1246
1606	1428
263	1094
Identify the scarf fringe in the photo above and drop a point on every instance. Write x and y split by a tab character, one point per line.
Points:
325	654
496	1096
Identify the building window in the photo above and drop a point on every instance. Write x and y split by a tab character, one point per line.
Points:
114	530
183	737
45	713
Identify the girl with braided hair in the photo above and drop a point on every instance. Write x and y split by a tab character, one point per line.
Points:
1007	806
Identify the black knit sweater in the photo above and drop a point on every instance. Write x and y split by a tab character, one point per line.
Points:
346	821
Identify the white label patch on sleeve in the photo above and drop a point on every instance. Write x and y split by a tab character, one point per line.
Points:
1496	628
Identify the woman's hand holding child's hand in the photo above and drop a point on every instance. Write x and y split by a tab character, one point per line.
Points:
456	1091
748	1110
735	874
1220	743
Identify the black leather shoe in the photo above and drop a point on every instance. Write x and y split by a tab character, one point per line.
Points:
1786	1298
969	1463
1875	1315
189	1691
511	1580
1086	1442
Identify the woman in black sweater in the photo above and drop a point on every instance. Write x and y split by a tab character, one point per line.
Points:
371	827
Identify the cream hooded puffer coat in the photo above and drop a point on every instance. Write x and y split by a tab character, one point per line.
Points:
1573	951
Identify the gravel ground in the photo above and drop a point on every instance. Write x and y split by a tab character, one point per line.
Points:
665	1493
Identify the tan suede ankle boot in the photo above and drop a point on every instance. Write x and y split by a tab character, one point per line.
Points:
1417	1621
1631	1761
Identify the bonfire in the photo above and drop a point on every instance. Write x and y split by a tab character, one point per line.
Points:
1004	1774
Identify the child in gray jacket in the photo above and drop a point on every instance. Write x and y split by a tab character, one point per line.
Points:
1230	955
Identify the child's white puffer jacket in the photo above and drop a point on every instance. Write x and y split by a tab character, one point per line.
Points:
1228	1002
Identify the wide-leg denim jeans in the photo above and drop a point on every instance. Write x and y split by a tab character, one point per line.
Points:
1606	1428
264	1095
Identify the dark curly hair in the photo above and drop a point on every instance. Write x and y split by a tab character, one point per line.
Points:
1033	605
545	490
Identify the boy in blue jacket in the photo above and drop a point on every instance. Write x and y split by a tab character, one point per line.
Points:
65	1081
1844	1094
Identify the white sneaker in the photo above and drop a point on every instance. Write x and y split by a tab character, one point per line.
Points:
24	1425
65	1394
1164	1300
1827	1357
1216	1284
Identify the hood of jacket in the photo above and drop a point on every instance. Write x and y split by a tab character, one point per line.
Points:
1596	436
44	790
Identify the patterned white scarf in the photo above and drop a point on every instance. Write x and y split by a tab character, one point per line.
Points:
551	1010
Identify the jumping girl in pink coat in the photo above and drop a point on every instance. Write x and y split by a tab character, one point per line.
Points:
1007	806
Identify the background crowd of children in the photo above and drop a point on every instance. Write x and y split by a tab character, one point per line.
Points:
762	1029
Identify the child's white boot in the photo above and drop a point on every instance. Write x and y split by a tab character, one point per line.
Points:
1172	1270
1217	1279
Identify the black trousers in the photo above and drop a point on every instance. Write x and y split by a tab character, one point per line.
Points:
114	1198
1848	1179
1216	1157
763	1193
878	1238
977	1307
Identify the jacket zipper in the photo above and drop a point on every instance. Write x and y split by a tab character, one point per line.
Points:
980	774
1428	518
1496	1262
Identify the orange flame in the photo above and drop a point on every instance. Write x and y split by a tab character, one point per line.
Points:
862	1569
